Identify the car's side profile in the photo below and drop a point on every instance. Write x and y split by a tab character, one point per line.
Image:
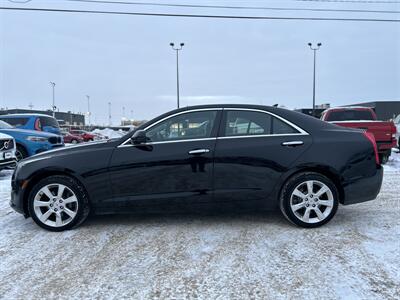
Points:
214	156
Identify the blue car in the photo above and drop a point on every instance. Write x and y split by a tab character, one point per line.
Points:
38	122
31	142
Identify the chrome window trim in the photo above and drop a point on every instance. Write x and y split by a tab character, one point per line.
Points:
301	132
299	129
124	144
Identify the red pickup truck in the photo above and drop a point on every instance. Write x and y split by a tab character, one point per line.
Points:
365	118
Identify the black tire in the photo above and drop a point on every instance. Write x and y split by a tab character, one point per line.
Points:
295	181
90	140
83	201
383	158
21	153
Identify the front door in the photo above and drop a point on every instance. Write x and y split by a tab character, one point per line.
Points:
173	169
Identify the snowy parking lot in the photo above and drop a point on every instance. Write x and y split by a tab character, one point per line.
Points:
356	255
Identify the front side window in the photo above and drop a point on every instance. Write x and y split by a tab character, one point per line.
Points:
247	123
191	125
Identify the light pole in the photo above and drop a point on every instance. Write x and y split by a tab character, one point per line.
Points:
88	108
315	60
53	84
177	68
109	114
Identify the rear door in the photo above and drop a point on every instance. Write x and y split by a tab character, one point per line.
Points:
254	148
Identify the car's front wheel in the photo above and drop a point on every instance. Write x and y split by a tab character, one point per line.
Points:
58	203
309	199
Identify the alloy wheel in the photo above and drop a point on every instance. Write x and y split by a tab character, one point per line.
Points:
55	205
312	201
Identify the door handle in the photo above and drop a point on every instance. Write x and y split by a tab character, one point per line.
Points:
293	143
199	151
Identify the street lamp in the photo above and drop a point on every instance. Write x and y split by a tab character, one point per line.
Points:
315	57
88	107
53	106
177	67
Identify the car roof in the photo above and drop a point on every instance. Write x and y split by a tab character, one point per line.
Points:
347	108
26	115
306	122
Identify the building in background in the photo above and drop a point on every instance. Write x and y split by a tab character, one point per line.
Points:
319	108
385	110
64	118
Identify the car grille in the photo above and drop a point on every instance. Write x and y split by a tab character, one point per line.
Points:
6	144
55	140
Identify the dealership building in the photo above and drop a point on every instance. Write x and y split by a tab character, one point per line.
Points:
64	118
385	110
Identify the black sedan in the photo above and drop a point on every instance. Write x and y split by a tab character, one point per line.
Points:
215	156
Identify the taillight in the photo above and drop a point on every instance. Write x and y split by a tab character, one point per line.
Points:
371	138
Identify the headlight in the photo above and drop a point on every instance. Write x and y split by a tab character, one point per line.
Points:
36	139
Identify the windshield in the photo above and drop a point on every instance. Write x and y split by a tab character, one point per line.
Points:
350	115
4	125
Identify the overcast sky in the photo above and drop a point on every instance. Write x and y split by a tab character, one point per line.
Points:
127	60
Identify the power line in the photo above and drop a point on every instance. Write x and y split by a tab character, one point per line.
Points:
234	7
197	15
352	1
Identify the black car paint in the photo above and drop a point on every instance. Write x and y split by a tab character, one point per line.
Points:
246	172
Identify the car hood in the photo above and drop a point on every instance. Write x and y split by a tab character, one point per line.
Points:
28	132
72	149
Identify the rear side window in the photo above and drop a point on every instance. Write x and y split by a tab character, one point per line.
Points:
350	115
280	127
247	123
48	122
17	122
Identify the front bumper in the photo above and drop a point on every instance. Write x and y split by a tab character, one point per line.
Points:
8	163
17	196
363	189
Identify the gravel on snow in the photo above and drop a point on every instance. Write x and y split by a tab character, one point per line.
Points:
356	255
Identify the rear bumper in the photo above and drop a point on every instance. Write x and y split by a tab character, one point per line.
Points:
363	189
383	147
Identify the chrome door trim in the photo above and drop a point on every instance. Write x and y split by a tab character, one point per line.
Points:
299	129
126	142
301	132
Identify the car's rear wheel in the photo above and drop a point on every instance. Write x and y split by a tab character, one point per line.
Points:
309	199
74	141
58	203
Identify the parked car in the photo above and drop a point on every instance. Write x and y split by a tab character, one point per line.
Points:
36	122
211	156
30	142
70	138
7	151
86	136
365	118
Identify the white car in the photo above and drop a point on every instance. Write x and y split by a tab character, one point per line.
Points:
7	151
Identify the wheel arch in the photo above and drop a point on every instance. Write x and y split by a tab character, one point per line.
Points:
44	173
327	171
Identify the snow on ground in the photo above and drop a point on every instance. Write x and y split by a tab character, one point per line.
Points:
356	255
109	132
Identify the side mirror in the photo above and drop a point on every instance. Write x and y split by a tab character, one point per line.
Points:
139	137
